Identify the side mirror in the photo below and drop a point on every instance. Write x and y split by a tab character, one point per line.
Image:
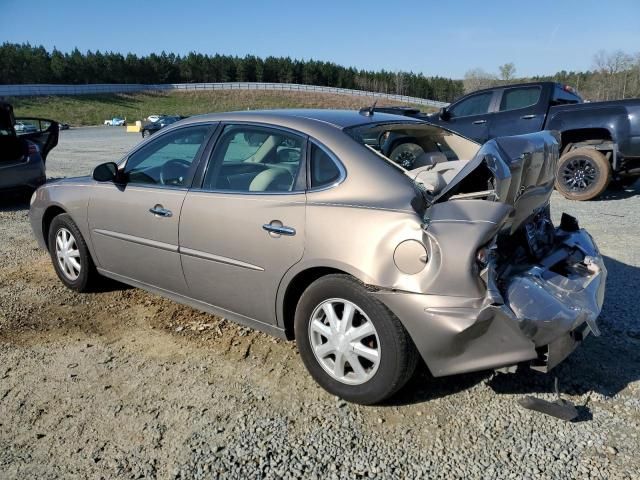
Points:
444	114
106	172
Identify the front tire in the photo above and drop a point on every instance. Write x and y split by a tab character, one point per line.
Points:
70	255
583	174
350	343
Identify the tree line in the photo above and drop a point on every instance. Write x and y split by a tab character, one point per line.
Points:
614	75
24	63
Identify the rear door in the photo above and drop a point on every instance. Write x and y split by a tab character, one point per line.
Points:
470	116
519	110
40	131
245	226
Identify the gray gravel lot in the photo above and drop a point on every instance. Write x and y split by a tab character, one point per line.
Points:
123	384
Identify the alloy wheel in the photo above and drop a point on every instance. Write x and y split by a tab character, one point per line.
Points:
579	174
344	341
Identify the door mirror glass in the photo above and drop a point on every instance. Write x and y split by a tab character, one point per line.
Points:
105	172
444	114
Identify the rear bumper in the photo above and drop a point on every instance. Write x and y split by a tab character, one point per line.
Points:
541	316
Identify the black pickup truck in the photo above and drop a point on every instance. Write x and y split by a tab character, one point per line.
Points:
600	140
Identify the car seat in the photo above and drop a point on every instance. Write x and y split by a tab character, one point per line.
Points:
272	180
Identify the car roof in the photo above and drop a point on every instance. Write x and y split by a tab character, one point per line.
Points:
338	118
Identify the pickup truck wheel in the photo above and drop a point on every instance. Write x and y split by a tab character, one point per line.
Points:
583	174
406	154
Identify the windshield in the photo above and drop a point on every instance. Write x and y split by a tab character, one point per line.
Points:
413	145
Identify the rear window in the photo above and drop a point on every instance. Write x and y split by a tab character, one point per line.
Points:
515	98
563	97
413	145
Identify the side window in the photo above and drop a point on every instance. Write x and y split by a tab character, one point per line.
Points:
324	170
515	98
255	159
168	159
474	105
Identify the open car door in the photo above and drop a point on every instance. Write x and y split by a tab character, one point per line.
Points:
40	131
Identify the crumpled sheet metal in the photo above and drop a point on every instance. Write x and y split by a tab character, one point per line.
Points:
548	304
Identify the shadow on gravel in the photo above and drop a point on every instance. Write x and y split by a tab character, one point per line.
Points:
106	285
605	365
14	201
619	193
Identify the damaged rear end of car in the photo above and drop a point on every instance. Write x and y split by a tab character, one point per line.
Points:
506	286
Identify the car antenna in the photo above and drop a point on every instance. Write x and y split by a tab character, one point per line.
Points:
368	111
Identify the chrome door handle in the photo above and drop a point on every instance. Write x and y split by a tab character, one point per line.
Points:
279	229
527	117
161	211
479	122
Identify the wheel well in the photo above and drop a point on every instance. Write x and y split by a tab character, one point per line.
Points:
47	218
591	135
299	284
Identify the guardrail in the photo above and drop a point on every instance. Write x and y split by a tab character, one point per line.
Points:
51	89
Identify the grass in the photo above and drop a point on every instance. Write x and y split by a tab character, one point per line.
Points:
94	109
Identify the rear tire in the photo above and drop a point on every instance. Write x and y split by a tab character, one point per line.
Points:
70	255
583	174
375	377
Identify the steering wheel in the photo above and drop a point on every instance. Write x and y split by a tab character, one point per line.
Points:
174	171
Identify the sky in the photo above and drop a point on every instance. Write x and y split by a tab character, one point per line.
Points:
445	38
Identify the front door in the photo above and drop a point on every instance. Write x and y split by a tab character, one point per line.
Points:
134	225
244	228
471	116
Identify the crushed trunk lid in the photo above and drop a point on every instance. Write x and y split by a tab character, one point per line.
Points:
518	171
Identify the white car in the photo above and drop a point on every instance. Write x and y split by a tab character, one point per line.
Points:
115	122
22	127
155	118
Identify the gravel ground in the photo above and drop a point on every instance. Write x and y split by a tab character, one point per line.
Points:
123	384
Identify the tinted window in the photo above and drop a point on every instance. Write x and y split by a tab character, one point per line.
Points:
515	98
167	160
475	105
324	170
255	159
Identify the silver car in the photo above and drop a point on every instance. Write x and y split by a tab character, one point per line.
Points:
370	238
